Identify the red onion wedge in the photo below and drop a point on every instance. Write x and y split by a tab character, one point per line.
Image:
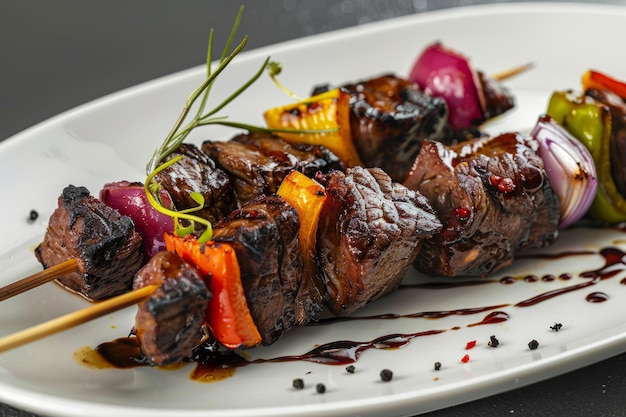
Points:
569	167
130	199
442	72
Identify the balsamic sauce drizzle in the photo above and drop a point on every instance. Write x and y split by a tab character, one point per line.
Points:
343	352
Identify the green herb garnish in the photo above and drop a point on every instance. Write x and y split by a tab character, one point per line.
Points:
180	131
274	69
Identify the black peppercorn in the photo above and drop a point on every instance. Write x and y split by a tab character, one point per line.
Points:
556	327
320	388
493	342
350	369
533	344
386	375
33	215
437	366
298	383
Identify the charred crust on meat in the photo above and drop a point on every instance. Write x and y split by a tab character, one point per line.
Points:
257	163
390	117
264	235
169	323
196	172
502	183
369	232
105	244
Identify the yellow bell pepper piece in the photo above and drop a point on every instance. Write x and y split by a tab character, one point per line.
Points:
327	111
307	196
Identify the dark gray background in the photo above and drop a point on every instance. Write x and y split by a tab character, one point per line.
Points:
56	55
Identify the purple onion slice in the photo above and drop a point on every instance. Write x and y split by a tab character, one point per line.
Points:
442	72
130	199
569	166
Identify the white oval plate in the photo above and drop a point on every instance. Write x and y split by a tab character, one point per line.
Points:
112	138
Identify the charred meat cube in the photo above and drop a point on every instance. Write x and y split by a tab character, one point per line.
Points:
258	162
104	243
198	173
369	232
498	98
169	323
390	118
493	198
264	234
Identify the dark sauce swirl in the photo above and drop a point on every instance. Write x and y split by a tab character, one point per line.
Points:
214	363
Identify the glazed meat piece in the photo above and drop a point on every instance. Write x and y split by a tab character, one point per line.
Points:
197	172
169	323
390	118
258	162
370	230
493	198
264	234
498	98
104	243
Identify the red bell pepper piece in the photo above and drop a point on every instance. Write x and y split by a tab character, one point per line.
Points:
598	80
228	315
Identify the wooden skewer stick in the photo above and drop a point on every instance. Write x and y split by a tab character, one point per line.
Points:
41	277
511	72
75	318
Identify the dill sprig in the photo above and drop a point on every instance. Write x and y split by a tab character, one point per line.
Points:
152	189
180	131
274	69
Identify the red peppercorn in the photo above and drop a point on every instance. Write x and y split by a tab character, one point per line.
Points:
503	184
461	212
465	359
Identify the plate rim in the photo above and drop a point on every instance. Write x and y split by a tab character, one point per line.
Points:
583	355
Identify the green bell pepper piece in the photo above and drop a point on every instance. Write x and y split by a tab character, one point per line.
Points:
590	122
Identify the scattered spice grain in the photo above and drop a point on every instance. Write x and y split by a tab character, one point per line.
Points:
386	375
320	388
556	327
493	342
33	215
533	344
298	383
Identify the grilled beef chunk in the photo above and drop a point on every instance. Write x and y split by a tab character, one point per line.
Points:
264	234
369	232
197	172
390	118
169	323
104	243
498	98
493	199
258	162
